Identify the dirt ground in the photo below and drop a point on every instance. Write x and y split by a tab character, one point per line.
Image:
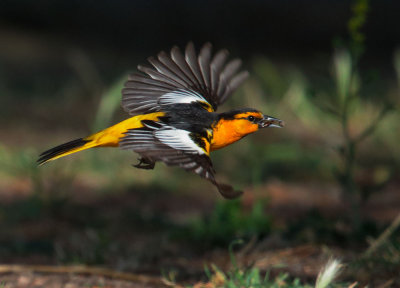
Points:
156	254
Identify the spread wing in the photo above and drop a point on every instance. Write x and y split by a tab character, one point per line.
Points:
183	78
175	147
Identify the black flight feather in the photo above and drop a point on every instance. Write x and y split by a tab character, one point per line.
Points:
204	74
60	149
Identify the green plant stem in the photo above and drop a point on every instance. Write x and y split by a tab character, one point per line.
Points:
232	254
349	185
349	147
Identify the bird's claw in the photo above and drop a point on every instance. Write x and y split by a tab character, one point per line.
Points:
145	164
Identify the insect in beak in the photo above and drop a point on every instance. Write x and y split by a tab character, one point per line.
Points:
268	121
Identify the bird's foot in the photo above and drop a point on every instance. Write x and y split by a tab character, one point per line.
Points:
145	163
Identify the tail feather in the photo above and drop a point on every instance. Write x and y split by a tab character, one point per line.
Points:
108	137
63	150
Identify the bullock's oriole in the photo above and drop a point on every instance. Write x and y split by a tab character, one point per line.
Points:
173	119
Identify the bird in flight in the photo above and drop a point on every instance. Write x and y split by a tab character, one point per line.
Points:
173	120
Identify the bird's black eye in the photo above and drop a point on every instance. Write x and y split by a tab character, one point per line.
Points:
251	118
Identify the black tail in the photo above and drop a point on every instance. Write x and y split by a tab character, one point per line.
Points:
60	150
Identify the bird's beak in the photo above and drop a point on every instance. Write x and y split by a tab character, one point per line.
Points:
270	122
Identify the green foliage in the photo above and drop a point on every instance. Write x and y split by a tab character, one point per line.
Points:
279	160
383	262
360	10
397	66
90	246
110	102
226	222
315	228
387	255
20	165
251	278
349	99
354	116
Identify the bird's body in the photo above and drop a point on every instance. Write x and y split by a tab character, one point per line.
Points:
173	114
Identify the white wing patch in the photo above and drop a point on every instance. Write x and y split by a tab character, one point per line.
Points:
181	97
178	139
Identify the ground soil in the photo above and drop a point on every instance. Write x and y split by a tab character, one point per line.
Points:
286	202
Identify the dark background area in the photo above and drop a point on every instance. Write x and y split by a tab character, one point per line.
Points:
294	27
283	29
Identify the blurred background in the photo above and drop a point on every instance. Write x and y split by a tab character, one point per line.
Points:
327	185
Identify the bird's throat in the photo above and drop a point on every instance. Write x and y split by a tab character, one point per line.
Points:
224	134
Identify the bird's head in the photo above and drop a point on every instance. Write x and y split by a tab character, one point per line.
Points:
234	125
248	120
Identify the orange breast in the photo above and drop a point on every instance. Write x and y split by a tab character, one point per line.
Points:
226	132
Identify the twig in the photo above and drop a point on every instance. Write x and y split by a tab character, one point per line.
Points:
4	269
383	237
374	125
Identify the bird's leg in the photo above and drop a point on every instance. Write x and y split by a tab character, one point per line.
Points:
145	163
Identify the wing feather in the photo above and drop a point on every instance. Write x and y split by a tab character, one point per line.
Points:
203	74
179	59
167	61
158	141
216	67
235	82
165	70
172	146
159	76
191	59
204	63
139	78
225	76
140	86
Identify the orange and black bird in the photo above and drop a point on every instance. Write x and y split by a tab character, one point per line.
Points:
173	120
